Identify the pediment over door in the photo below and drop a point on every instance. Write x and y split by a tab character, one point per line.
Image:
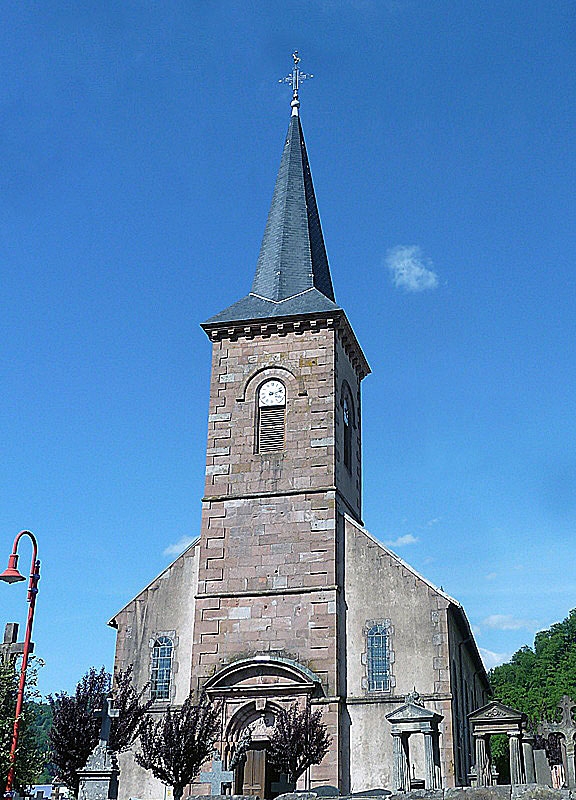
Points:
496	710
263	676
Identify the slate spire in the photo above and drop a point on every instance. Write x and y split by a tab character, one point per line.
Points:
293	256
292	272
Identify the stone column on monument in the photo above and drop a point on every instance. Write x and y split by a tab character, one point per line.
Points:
483	764
528	754
429	771
437	763
401	767
516	771
571	771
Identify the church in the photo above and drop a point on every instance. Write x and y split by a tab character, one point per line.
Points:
284	596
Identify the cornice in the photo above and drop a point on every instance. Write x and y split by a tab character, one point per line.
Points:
281	326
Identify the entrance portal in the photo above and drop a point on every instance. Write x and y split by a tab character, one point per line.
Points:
257	776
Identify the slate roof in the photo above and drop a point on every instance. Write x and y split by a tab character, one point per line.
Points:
292	273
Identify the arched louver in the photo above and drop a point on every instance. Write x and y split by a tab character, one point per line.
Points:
270	432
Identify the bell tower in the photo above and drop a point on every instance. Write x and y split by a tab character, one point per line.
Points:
283	459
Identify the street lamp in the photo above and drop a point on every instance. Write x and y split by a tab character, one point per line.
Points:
11	575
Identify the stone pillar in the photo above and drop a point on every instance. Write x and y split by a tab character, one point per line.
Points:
528	753
571	771
401	773
516	772
429	776
483	765
437	762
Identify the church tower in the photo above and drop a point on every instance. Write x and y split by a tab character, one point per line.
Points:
285	597
283	458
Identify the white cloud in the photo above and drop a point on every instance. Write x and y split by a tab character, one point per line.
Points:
492	659
409	268
491	576
179	546
402	540
506	622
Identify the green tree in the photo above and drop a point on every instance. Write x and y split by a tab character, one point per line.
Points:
175	746
30	755
536	677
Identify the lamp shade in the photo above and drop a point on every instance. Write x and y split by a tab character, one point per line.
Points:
11	573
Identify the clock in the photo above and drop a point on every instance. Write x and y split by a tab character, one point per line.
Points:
272	393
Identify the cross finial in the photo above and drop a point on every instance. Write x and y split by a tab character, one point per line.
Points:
295	79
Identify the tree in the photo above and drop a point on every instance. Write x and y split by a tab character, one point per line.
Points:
133	710
299	740
30	755
175	746
536	678
75	727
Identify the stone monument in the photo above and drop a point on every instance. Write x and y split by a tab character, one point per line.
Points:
99	778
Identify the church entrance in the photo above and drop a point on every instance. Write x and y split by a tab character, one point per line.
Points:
257	776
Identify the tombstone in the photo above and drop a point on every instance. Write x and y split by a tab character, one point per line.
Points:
492	719
99	778
11	648
567	728
543	773
409	719
220	780
283	785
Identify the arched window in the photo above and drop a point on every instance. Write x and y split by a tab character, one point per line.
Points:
348	424
378	658
347	434
161	670
271	417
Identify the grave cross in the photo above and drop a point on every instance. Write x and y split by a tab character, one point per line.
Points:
11	648
566	706
106	714
217	777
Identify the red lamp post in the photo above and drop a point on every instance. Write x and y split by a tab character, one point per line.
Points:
11	575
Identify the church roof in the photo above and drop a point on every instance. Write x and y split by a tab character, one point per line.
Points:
292	273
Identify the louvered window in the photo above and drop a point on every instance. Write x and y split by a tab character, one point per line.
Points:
271	417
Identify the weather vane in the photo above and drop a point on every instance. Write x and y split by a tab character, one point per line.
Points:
295	79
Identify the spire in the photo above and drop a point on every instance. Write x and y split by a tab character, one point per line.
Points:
292	272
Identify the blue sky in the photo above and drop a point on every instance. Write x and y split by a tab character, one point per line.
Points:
139	147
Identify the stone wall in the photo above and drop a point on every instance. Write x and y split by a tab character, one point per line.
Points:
519	792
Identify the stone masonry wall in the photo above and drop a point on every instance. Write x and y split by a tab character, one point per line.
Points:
267	551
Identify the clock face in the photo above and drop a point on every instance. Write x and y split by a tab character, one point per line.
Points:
272	393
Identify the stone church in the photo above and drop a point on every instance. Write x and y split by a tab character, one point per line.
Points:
285	597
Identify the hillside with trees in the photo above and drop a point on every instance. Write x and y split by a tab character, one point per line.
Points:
535	678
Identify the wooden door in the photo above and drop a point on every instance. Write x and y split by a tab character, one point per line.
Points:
255	773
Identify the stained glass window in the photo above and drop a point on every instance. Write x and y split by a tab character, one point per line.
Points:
378	658
161	668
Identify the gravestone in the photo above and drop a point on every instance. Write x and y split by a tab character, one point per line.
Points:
99	778
283	785
11	648
218	778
